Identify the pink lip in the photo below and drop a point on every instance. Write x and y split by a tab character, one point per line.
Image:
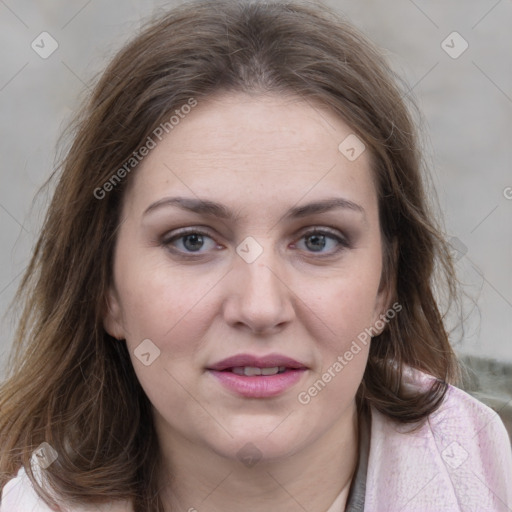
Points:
260	386
268	361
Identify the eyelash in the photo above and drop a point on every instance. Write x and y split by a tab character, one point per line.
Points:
343	243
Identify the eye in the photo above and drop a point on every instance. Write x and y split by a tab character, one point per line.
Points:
191	241
318	239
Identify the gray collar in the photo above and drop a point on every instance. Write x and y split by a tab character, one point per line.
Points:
355	500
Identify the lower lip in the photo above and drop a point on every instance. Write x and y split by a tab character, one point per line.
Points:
263	386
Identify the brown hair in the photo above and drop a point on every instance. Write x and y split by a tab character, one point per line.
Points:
70	383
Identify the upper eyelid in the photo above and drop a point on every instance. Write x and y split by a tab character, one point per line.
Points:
207	231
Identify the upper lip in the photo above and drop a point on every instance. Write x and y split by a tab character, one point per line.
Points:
268	361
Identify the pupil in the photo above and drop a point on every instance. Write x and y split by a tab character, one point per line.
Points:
197	242
316	239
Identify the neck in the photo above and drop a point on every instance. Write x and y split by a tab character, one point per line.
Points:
311	479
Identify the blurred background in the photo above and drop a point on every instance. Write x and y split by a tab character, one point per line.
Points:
455	57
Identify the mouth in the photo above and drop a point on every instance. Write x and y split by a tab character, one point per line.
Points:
251	371
258	377
250	365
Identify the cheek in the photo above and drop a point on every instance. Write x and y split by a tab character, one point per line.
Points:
166	305
347	301
346	307
171	310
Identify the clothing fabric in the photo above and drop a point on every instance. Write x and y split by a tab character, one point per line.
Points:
459	460
18	495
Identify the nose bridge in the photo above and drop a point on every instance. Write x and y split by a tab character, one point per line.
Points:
260	278
260	298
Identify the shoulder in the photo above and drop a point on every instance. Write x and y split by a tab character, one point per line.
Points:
461	415
460	458
18	495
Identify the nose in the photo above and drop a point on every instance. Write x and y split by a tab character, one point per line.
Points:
260	299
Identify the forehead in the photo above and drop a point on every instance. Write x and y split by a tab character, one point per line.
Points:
242	124
262	146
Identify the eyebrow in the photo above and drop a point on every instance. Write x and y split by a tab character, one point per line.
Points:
214	209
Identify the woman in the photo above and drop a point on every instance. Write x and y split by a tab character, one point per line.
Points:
231	303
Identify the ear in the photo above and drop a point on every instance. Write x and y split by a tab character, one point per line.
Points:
387	288
112	318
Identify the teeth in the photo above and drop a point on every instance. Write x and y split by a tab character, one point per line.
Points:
269	371
250	371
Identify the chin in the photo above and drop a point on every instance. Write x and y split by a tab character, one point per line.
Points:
267	440
251	450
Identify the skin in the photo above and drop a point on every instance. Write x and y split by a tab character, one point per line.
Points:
259	155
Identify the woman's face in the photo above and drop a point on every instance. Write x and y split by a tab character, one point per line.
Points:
272	255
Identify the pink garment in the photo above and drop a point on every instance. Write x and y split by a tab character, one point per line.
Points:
18	495
460	460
